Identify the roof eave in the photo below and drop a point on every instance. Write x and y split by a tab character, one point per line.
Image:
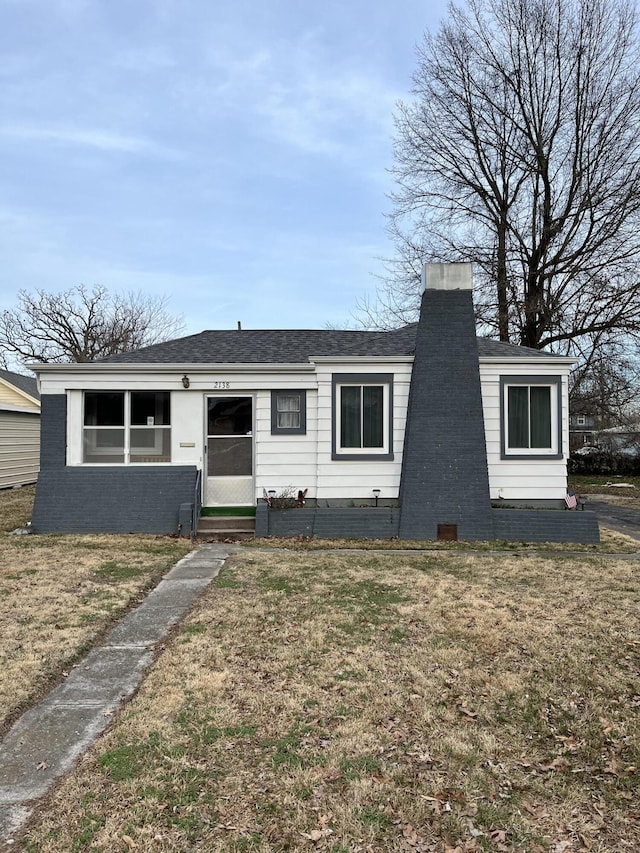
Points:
549	358
361	359
172	367
22	410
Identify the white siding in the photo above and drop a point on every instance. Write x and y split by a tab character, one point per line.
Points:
285	461
19	448
522	479
304	461
340	479
280	461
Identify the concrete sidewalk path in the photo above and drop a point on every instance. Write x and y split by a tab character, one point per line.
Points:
49	738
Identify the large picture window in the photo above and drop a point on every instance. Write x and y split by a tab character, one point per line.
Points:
531	422
362	416
122	427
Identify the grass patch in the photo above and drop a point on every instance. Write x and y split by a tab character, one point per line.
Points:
226	511
59	593
16	506
116	570
585	483
481	702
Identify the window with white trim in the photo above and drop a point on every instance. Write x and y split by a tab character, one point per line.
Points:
362	416
531	417
126	427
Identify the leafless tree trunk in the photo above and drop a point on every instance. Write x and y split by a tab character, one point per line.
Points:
520	152
83	325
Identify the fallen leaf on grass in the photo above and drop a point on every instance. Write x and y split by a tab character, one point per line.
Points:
316	834
469	846
538	812
128	840
411	837
557	764
468	712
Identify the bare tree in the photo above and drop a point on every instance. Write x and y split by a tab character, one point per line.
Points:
83	325
520	152
605	388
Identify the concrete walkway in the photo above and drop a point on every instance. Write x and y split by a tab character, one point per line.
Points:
49	738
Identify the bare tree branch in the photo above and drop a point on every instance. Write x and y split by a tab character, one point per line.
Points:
520	152
83	325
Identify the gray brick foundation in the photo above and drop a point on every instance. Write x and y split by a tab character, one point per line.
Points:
539	525
103	499
513	525
328	522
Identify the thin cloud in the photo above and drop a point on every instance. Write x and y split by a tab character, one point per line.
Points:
297	95
99	139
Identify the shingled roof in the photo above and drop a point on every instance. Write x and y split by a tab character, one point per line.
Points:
293	346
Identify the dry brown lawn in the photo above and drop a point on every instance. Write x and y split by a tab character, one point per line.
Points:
58	594
378	702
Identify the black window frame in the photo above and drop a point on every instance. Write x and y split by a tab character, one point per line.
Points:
299	430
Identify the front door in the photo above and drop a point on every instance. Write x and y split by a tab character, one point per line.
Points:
229	451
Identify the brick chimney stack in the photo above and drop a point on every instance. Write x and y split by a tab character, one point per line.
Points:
444	486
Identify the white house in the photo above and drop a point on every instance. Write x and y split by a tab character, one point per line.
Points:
426	419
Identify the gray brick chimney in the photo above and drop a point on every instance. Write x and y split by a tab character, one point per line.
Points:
444	479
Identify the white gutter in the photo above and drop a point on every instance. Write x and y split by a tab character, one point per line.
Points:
266	367
174	367
362	359
546	358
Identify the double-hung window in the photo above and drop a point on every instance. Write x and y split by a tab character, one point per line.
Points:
531	421
288	412
121	427
362	416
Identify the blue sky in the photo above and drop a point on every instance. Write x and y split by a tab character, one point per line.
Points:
230	156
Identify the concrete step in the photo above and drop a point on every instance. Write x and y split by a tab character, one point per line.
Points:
208	524
226	527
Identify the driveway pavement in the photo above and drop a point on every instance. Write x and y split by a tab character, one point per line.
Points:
618	517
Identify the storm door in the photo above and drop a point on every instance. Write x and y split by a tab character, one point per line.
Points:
229	451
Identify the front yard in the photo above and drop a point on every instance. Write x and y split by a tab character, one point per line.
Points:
378	702
451	701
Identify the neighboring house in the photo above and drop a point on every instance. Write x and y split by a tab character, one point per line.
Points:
622	440
582	431
586	439
19	429
432	424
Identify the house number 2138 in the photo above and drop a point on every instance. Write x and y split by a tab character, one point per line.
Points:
222	384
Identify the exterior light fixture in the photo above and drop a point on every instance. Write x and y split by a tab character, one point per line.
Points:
185	381
376	494
272	493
